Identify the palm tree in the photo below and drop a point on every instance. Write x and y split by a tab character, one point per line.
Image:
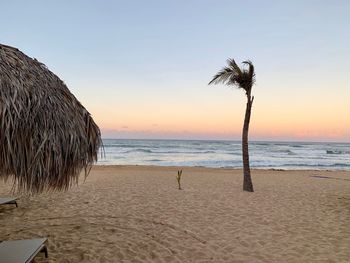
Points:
243	78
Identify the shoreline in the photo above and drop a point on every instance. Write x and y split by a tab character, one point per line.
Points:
218	168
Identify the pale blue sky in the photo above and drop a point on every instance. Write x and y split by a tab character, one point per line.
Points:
134	58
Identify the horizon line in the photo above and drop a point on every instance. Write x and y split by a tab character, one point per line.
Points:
232	140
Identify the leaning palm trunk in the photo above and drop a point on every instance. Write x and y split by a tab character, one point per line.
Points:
247	180
233	75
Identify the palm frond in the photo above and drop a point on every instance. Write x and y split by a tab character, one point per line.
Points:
233	65
251	70
222	76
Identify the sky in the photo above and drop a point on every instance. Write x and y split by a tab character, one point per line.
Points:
141	68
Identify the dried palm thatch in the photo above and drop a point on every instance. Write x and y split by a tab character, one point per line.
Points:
46	136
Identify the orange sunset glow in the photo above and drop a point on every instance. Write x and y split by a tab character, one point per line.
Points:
146	76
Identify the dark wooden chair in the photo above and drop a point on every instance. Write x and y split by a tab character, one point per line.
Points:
22	251
8	201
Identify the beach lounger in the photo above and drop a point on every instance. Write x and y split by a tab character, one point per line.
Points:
22	251
8	201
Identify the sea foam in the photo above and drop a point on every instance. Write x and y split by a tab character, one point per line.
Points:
266	155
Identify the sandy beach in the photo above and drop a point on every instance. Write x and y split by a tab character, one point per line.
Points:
137	214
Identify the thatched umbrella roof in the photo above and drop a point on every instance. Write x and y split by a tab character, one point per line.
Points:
46	136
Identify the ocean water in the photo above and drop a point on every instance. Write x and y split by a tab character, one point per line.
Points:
228	154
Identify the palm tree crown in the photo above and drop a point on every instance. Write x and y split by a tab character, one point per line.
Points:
234	75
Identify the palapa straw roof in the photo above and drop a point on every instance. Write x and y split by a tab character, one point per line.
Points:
46	136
